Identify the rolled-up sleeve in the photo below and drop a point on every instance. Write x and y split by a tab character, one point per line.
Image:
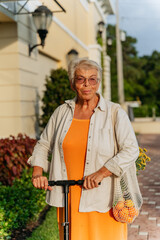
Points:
43	147
127	145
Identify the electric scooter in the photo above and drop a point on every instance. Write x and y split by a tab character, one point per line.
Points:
65	184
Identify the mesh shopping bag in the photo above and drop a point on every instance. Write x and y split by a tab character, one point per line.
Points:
127	199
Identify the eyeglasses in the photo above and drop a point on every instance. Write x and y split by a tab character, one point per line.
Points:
91	80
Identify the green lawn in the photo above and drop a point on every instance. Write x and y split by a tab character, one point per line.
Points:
49	228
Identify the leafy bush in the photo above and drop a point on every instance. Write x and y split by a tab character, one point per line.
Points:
57	91
146	111
14	152
141	111
19	203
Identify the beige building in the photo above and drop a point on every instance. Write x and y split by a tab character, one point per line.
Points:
22	77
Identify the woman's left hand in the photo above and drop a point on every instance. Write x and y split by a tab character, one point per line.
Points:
92	180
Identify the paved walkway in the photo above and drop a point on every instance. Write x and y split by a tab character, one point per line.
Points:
147	224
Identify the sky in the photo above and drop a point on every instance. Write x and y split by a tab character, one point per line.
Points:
140	19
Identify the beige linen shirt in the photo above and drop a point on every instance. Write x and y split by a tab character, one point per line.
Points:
100	152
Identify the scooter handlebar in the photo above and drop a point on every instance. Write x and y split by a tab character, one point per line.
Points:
65	182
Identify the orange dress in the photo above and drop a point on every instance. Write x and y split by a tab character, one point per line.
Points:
89	225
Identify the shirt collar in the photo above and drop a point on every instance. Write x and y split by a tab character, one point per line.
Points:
101	104
71	102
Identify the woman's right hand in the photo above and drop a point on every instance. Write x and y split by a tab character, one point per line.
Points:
41	182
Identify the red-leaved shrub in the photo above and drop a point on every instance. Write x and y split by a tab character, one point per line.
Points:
14	152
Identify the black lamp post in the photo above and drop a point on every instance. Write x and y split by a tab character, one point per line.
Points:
72	54
101	26
42	18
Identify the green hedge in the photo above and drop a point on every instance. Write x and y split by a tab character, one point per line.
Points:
19	204
145	111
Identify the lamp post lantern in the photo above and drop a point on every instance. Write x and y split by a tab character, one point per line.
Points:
72	54
101	26
42	18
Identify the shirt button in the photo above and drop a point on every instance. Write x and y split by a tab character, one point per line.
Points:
88	150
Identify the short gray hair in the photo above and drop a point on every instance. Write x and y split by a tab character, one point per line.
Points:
82	63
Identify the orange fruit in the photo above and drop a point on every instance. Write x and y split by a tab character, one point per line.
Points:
124	214
115	212
120	205
116	215
129	203
124	211
129	219
133	212
122	199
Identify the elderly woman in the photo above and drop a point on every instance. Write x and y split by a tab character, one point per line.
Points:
80	136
